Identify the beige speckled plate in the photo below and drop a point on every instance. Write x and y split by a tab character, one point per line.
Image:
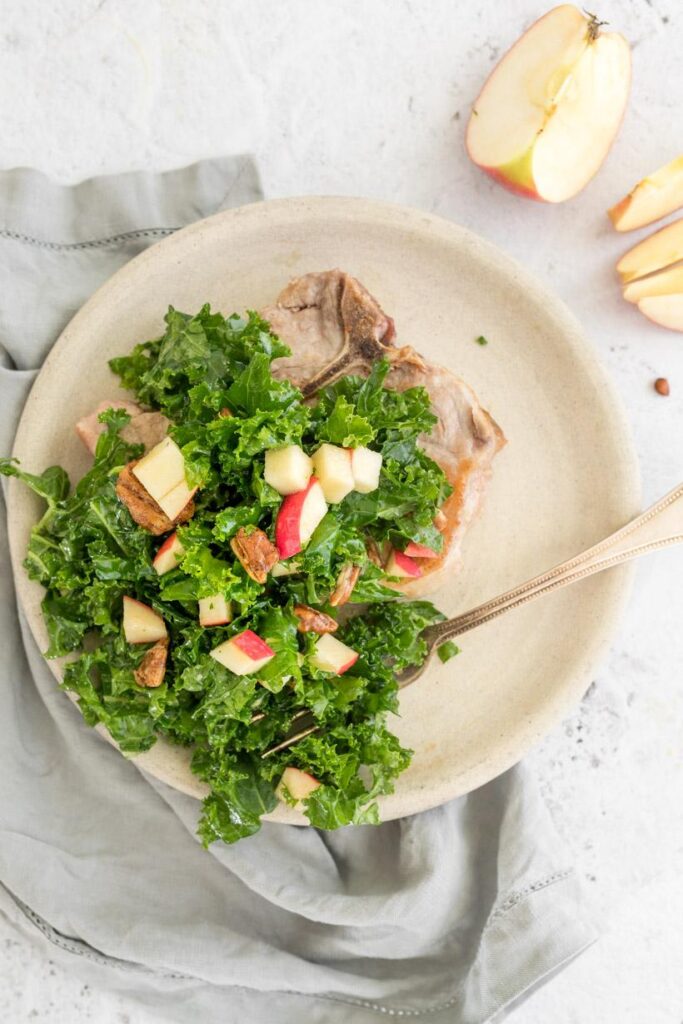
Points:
567	477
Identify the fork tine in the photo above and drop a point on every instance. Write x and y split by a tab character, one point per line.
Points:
290	741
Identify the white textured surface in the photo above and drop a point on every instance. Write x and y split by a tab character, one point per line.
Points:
372	99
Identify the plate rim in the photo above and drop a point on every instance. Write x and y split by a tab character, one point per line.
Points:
557	704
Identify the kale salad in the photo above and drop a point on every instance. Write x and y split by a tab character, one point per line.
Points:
233	583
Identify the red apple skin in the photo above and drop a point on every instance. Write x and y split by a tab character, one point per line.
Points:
344	668
406	563
287	533
168	543
511	186
252	645
414	550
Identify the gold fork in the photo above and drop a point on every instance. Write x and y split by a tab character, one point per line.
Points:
613	550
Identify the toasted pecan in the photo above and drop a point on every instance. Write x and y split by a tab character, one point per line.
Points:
346	581
255	552
374	553
152	669
311	620
142	506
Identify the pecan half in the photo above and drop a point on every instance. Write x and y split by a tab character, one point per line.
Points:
152	669
374	553
142	506
225	414
313	621
255	552
346	581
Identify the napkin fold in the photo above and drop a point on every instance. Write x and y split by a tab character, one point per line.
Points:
450	915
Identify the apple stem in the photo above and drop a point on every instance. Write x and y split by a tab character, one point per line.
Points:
594	25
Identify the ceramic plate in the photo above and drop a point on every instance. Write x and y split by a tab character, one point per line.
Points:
567	477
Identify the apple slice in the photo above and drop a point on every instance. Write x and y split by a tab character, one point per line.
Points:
331	655
175	501
295	783
332	467
297	518
141	624
285	569
665	310
161	469
666	282
366	467
288	469
414	550
243	654
549	111
168	556
652	198
659	250
400	564
214	610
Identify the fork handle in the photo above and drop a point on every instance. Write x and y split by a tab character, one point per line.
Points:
665	517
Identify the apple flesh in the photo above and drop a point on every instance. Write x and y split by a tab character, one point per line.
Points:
162	473
366	467
331	655
666	282
414	550
298	516
288	469
168	556
285	569
665	310
295	783
661	249
243	654
214	610
141	624
548	113
332	466
652	198
400	564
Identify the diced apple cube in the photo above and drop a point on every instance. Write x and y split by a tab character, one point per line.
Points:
400	564
288	469
297	518
161	469
214	610
296	783
366	467
243	654
175	501
414	550
168	556
331	655
285	569
141	624
332	467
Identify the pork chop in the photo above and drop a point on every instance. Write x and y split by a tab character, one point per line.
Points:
146	428
334	326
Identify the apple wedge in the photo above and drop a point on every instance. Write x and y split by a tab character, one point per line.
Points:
297	518
331	655
214	611
332	467
548	113
666	282
366	467
288	469
296	784
168	556
659	250
162	473
400	564
243	654
414	550
141	624
665	310
652	198
285	569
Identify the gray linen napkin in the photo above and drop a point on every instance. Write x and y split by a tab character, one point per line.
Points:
450	915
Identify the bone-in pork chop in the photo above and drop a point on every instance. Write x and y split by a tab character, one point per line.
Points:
146	428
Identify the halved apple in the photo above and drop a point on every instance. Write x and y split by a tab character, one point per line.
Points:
162	473
656	251
413	550
297	518
141	624
549	112
400	564
652	198
168	556
366	466
287	469
214	610
332	466
666	282
243	654
296	783
331	655
665	310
